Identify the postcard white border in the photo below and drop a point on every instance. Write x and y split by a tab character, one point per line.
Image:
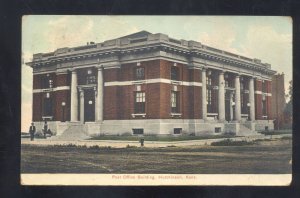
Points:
157	179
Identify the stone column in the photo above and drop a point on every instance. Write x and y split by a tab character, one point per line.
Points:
96	103
231	108
100	91
204	99
81	105
251	99
221	97
74	97
237	98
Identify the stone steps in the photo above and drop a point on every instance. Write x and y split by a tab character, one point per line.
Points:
245	131
74	132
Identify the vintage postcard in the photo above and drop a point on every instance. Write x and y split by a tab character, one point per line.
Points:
156	100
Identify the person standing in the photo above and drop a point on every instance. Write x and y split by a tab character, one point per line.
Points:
45	129
32	131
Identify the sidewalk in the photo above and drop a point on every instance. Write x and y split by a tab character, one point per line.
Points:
151	144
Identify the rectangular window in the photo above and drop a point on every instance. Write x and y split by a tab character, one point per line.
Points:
47	107
47	82
177	130
217	129
264	106
140	73
90	79
208	99
242	86
138	131
139	105
264	86
174	73
174	102
226	83
208	80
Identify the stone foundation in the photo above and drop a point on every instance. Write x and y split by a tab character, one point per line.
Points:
196	127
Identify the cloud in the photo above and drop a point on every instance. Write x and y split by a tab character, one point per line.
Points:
26	115
265	43
68	31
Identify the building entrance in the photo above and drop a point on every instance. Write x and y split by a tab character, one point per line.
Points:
89	105
227	106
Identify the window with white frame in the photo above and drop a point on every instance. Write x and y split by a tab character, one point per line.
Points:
208	99
90	78
140	73
174	73
208	80
174	102
264	105
47	105
140	99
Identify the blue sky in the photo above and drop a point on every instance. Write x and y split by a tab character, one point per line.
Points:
265	38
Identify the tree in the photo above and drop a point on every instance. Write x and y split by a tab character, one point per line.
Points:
288	110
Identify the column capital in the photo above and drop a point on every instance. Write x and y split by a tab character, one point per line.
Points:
221	72
99	67
81	93
204	68
73	70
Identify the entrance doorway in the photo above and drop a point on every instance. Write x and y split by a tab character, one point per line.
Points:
89	105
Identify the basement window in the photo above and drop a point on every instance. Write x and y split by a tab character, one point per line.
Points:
177	130
138	131
217	129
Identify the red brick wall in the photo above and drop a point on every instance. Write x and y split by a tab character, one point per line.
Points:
153	101
269	86
110	75
58	80
258	100
184	92
37	107
111	103
37	81
165	100
195	75
127	71
269	100
152	69
184	71
165	69
62	80
195	102
125	102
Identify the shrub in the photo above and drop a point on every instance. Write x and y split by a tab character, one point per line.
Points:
126	134
229	142
128	146
171	146
94	147
286	138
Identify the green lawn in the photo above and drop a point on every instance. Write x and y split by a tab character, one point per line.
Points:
277	132
264	157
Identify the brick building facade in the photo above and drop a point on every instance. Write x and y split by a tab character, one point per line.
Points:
278	101
150	84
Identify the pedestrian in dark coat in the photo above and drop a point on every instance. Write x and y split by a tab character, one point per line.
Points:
32	131
45	129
